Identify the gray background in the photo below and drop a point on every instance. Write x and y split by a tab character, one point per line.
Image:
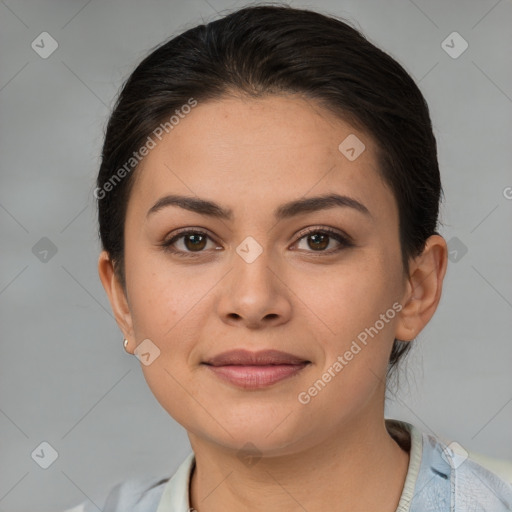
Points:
64	376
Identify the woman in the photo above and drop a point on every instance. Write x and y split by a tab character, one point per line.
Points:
268	204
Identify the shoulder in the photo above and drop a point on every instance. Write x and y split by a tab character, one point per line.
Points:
134	494
460	482
149	494
475	484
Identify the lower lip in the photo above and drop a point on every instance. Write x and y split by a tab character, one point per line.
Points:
254	377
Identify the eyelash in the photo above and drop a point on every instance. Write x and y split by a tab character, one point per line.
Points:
344	240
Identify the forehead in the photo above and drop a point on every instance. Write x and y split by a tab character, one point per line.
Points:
273	149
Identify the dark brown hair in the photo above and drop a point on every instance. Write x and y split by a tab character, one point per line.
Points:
262	50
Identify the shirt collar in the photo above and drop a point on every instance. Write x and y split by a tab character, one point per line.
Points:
175	497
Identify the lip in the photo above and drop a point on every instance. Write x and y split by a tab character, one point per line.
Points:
253	370
261	358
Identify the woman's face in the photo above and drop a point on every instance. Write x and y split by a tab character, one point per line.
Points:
266	276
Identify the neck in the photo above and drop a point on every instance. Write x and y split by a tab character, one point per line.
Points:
356	467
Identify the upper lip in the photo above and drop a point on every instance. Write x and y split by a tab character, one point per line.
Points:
247	358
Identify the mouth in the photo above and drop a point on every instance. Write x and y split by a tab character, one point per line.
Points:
253	370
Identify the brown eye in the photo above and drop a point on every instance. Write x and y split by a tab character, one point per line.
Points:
318	240
187	243
195	242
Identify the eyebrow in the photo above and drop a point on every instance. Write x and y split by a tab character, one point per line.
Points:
285	211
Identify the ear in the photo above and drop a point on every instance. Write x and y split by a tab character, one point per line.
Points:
116	295
423	289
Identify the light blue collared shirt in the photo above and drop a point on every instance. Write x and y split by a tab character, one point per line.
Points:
438	480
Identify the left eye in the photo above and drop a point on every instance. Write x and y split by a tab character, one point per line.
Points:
318	240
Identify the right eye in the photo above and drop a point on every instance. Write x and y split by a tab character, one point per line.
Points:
194	241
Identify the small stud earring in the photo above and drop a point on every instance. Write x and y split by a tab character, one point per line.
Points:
125	343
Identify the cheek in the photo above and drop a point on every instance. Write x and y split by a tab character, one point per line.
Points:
168	306
355	338
355	304
160	299
351	297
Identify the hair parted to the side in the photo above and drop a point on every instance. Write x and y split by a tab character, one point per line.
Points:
276	49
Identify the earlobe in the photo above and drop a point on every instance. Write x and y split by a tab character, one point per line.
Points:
116	295
423	289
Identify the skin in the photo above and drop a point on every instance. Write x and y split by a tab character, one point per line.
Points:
252	156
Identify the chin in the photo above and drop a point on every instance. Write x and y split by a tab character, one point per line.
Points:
264	434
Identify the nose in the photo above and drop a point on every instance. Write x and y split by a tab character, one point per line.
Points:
256	295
